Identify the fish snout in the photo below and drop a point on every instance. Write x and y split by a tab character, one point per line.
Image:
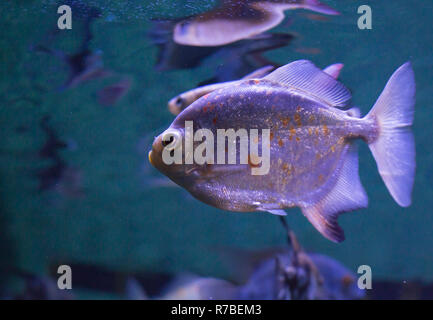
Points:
163	147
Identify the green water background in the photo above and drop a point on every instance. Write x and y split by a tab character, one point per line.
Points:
128	223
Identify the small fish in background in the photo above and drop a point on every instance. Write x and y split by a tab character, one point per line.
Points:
235	20
111	94
59	176
172	56
313	161
177	104
180	102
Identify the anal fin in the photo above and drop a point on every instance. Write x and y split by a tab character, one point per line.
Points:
347	194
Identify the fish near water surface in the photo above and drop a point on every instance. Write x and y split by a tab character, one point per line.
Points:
313	162
234	20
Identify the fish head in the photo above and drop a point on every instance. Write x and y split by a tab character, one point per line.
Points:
167	141
177	104
185	33
167	156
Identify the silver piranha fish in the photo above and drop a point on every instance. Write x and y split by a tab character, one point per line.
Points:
307	145
180	102
235	20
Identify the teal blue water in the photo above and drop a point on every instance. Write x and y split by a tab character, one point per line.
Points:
126	220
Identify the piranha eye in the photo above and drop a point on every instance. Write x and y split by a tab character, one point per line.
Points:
171	139
166	143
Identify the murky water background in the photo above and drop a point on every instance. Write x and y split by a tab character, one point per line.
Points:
125	219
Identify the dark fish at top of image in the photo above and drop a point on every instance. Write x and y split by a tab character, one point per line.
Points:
235	20
311	158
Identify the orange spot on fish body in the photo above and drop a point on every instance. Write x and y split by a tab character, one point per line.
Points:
287	168
333	148
285	121
292	131
271	135
297	119
325	130
298	139
280	142
311	119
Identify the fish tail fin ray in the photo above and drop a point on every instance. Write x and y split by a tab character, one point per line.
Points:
394	149
317	6
347	194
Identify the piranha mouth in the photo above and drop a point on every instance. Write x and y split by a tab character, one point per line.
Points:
150	158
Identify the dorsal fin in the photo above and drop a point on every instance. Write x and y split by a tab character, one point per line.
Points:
305	76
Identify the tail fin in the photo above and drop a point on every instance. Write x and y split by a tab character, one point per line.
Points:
394	149
316	5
